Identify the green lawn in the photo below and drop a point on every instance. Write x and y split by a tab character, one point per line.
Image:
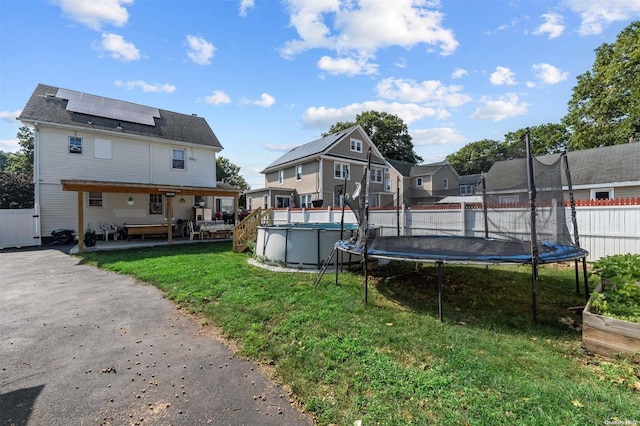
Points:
391	362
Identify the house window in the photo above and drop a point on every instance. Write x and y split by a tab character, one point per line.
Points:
419	181
374	200
376	175
445	183
508	199
387	185
282	202
341	170
280	177
466	190
356	145
75	145
602	194
305	201
155	203
178	156
299	172
95	199
265	202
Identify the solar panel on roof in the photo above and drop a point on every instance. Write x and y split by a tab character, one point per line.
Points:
109	108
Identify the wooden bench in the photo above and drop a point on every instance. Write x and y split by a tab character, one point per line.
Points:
217	231
144	230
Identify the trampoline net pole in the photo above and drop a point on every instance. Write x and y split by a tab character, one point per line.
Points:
534	243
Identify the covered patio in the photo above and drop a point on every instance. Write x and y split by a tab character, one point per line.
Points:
168	191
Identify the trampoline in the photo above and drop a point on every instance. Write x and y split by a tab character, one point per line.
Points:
524	223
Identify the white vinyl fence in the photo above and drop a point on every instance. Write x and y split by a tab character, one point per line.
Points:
602	230
18	228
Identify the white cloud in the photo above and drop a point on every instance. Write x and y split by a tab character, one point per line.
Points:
95	13
9	145
505	106
431	92
436	136
401	63
246	5
553	25
265	101
279	148
501	76
348	66
358	28
323	117
597	14
458	73
10	116
217	98
146	87
201	51
549	74
119	49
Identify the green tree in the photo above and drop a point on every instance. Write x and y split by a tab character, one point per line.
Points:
387	132
16	191
477	157
605	104
228	172
545	139
22	161
3	160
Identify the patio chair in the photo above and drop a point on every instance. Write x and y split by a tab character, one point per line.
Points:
192	231
109	229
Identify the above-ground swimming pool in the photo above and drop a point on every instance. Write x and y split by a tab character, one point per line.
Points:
302	245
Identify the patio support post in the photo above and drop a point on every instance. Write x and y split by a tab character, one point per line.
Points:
80	221
169	219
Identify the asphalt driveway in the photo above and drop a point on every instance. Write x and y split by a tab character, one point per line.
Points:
82	346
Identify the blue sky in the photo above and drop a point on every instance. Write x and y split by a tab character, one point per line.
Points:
269	75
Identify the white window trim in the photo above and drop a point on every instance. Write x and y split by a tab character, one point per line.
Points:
161	204
280	177
387	185
343	167
419	182
358	145
184	159
377	175
102	201
595	190
79	138
445	183
298	172
305	199
265	201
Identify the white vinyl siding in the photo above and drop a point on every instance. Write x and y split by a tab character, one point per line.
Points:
102	148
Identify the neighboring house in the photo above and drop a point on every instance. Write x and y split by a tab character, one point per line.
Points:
599	173
313	174
100	160
426	183
468	184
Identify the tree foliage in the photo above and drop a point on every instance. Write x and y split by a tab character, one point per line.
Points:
605	104
16	191
388	132
22	161
477	157
229	173
545	139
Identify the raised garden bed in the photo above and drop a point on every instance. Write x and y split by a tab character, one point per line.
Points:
608	336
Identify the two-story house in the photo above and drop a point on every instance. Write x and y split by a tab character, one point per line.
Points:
314	174
102	160
426	183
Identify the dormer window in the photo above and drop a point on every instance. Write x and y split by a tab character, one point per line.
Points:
356	145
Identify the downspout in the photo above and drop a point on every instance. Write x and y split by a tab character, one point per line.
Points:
36	184
320	179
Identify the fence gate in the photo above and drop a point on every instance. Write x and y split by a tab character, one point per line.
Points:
18	228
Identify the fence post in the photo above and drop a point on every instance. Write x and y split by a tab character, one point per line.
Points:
463	218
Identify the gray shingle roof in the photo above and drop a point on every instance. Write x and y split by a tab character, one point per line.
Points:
609	164
309	149
410	170
45	107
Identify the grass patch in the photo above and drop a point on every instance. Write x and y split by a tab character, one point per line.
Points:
392	362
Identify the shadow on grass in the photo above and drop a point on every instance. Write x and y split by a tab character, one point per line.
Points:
491	297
